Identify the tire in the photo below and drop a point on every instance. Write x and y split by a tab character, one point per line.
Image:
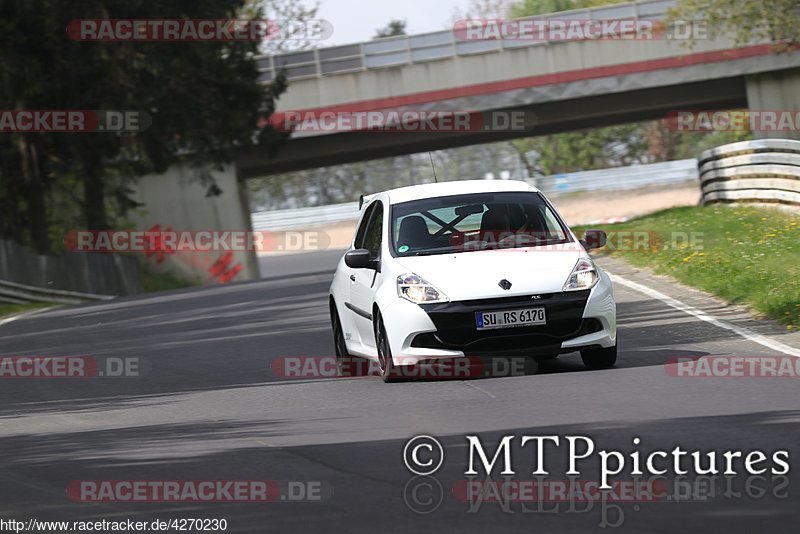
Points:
599	358
385	363
345	363
531	366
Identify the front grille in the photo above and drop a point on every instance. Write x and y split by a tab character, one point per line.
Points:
455	324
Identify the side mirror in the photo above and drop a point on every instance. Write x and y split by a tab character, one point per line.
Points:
360	259
594	239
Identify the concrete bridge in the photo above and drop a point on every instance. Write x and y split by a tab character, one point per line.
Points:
565	85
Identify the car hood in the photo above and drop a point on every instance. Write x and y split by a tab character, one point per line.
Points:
473	275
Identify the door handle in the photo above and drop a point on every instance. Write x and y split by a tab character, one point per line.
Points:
353	277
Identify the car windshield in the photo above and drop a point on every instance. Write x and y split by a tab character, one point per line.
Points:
480	221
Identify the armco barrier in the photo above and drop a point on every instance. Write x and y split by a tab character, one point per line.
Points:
619	178
70	278
613	179
764	170
304	217
20	293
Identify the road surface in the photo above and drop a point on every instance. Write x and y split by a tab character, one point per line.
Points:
210	406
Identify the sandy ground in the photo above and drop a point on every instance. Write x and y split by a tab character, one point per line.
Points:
595	208
613	206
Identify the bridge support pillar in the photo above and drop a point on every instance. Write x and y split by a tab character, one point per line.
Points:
775	91
179	200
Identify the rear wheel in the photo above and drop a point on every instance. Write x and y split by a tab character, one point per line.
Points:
385	362
599	358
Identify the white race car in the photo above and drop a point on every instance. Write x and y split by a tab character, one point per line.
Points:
469	268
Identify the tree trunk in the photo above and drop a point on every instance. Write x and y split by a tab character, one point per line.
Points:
93	189
11	223
34	194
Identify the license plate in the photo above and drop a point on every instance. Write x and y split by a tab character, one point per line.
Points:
510	318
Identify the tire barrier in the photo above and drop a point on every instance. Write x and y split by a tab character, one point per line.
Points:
764	171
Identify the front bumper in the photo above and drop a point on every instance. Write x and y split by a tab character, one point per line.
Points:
575	320
455	325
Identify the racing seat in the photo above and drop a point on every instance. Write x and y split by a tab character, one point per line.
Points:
494	225
414	233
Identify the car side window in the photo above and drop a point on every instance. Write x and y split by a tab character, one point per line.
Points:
374	233
362	228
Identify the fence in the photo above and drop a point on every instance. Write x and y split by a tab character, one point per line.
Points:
618	178
304	217
70	278
407	49
765	170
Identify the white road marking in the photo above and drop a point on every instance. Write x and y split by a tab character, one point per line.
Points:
473	386
703	316
26	314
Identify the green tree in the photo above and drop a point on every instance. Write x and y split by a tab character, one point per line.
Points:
777	21
529	8
204	100
282	12
583	150
393	28
486	9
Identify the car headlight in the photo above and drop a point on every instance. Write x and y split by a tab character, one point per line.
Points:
583	276
418	290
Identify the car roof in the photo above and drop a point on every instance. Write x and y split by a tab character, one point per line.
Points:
456	187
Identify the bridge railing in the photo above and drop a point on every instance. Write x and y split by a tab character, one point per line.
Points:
764	170
409	49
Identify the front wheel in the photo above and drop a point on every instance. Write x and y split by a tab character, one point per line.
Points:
385	361
344	362
599	358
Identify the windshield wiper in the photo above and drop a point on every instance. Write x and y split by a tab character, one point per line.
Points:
440	250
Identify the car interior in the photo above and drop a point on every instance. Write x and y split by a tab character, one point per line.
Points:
476	227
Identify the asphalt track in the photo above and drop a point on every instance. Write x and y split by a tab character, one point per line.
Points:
210	406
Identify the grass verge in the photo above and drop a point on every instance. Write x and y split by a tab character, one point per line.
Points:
744	254
152	282
13	309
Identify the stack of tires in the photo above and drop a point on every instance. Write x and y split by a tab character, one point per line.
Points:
763	171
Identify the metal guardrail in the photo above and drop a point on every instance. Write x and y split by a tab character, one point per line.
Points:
13	293
408	49
304	217
765	170
618	178
70	278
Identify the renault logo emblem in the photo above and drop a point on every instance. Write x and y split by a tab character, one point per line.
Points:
505	284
